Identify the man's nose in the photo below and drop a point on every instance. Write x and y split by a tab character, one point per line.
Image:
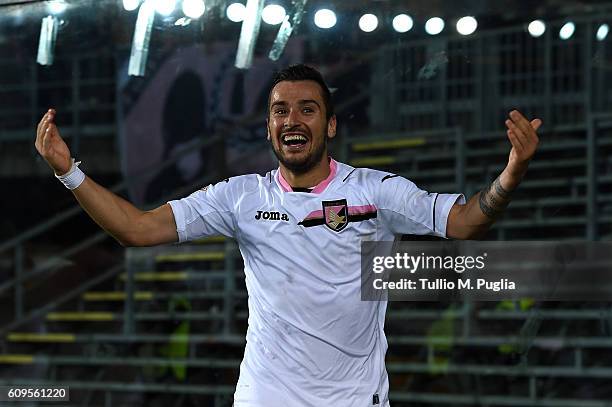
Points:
291	119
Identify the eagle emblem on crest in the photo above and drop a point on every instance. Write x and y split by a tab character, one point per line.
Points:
335	214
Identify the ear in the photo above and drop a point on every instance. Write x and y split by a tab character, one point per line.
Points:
331	127
268	129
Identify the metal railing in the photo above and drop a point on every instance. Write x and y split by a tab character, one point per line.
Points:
17	244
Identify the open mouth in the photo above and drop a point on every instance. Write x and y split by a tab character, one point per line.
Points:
294	140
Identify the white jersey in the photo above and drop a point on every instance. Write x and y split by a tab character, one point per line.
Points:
311	341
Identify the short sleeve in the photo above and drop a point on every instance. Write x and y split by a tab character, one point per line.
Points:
207	212
404	208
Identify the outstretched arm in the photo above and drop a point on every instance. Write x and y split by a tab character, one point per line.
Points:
472	220
129	225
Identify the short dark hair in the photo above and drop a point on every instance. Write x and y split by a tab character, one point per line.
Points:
301	72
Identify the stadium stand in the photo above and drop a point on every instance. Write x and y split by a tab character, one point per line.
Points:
165	326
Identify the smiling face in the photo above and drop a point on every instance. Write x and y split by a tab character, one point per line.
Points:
297	125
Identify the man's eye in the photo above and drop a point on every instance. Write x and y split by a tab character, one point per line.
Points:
279	111
308	110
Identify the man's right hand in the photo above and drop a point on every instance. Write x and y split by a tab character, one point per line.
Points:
122	220
51	146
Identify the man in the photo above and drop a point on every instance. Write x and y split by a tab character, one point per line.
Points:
310	341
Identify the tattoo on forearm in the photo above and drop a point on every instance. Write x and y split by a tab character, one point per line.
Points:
494	199
500	190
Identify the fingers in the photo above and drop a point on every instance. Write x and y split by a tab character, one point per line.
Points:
42	128
40	124
513	134
50	132
516	143
46	140
536	123
524	130
40	138
49	115
521	122
49	139
40	131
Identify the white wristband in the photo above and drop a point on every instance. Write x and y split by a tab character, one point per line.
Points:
73	178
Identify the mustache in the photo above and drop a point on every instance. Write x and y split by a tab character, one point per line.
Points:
294	129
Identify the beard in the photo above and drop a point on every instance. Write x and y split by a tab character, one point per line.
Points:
303	165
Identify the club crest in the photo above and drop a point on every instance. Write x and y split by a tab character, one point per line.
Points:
336	214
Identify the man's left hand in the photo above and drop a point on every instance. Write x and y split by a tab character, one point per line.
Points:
524	139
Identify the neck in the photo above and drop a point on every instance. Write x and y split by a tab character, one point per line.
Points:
309	179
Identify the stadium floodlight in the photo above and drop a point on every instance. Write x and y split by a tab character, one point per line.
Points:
249	34
165	7
402	23
46	42
142	38
434	26
536	28
467	25
325	18
194	8
286	29
130	5
273	14
566	32
368	23
56	7
602	32
235	12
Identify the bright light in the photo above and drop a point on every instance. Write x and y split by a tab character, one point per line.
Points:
368	23
434	26
142	39
273	14
536	28
567	31
182	22
467	25
130	5
402	23
325	18
248	34
46	43
602	32
165	7
235	12
57	6
193	8
286	29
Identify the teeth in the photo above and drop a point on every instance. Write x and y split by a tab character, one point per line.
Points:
294	137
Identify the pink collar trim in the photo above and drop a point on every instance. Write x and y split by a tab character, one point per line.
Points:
333	166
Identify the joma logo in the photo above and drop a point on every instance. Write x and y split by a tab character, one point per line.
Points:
271	216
